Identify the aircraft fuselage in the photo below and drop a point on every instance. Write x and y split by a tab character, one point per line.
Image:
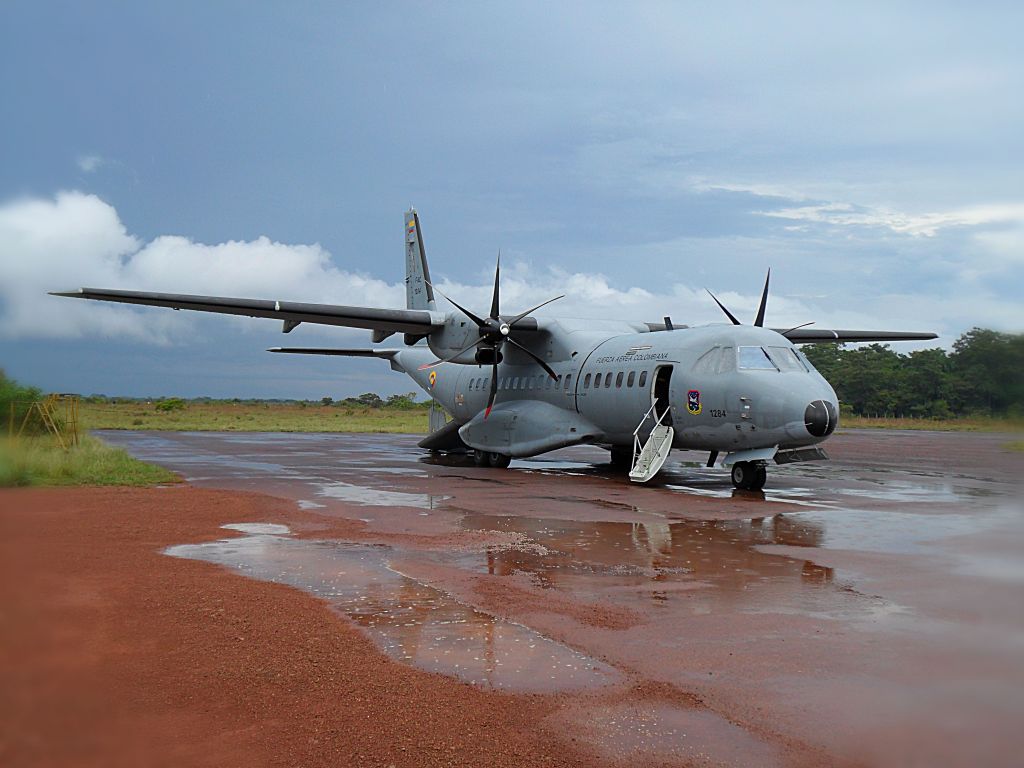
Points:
722	392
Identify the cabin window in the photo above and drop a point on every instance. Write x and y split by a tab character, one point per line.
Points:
586	381
755	359
529	382
618	380
568	378
607	379
597	380
514	383
643	379
631	378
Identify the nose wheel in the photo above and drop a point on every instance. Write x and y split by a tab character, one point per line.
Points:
749	476
491	459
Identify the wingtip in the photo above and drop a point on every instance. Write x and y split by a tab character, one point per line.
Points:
71	294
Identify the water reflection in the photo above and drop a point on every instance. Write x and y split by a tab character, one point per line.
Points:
409	621
594	557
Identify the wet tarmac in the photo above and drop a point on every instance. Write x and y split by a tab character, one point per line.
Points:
868	609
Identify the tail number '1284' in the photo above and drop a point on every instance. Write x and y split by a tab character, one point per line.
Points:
717	413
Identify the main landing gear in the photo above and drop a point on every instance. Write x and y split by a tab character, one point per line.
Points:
491	459
749	475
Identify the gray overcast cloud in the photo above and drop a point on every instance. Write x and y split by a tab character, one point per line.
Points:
627	155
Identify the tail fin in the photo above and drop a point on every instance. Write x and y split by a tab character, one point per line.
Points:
418	293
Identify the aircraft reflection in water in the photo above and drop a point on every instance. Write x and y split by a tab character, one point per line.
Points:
519	385
718	554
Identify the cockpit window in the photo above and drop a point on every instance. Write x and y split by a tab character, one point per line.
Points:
786	359
755	359
727	362
708	362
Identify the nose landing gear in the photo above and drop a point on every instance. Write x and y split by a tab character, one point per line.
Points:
491	459
749	475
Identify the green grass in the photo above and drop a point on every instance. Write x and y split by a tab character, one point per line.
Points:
40	461
1017	446
253	417
966	424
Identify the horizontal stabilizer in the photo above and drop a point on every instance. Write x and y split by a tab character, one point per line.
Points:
412	321
824	335
385	354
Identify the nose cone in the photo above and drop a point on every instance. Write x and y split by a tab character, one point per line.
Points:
821	418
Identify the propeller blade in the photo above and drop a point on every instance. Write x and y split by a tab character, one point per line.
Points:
452	357
494	390
759	320
795	327
480	323
536	359
519	317
728	314
494	298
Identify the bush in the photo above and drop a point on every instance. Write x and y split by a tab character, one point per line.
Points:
171	404
15	401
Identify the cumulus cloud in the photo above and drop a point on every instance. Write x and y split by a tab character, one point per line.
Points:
77	239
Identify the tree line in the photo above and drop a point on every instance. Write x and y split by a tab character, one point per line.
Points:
982	376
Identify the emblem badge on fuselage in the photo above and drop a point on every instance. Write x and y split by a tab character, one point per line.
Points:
693	402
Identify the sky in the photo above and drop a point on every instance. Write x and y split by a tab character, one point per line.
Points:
628	155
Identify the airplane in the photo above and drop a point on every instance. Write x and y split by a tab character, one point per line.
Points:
516	385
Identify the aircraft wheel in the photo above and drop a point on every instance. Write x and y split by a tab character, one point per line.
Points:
481	458
500	460
742	474
749	476
622	458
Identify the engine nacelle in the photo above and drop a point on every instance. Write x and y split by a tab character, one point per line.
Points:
488	356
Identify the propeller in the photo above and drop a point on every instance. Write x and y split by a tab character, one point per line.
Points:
494	333
759	320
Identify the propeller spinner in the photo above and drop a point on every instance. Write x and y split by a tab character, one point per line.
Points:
495	332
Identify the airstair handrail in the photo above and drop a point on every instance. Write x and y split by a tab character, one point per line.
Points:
657	420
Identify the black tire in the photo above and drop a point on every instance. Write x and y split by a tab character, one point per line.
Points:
760	478
481	458
500	460
742	474
621	458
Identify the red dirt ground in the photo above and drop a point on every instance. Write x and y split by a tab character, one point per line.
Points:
114	654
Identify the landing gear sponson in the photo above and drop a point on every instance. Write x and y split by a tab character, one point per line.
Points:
749	475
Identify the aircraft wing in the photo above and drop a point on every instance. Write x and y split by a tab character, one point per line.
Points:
825	335
412	321
383	353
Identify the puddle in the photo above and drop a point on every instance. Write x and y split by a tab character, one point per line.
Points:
377	497
644	733
411	622
272	529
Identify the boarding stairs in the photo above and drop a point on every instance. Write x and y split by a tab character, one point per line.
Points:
649	458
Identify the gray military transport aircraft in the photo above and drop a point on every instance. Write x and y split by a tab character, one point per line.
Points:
519	385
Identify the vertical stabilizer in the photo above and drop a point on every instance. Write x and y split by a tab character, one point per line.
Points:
418	293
